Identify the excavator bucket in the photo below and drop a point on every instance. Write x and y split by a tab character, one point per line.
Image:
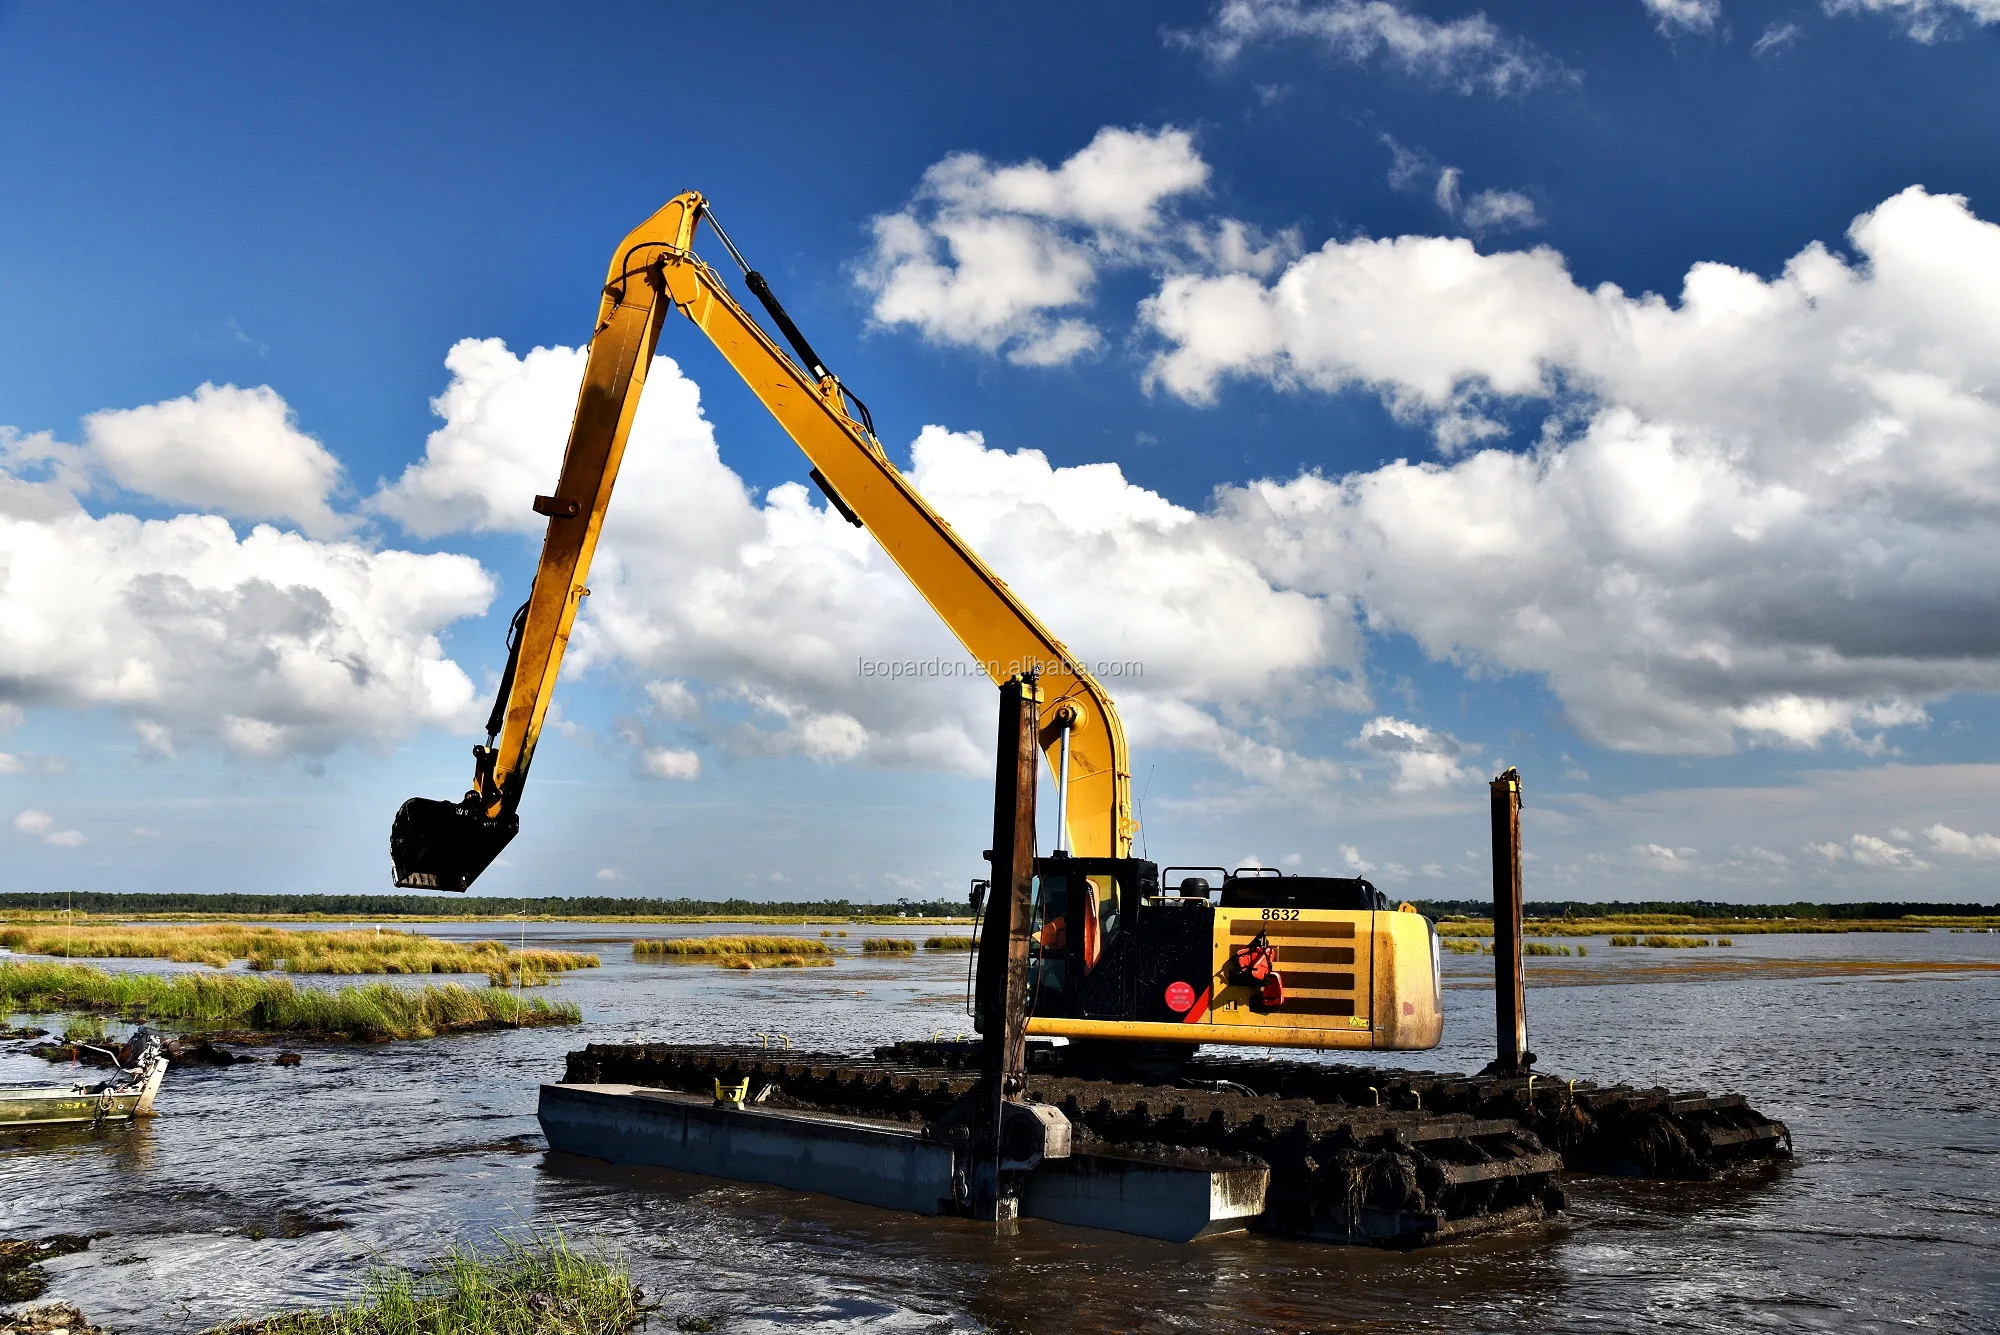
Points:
445	845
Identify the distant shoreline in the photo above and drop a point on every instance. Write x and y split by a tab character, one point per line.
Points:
229	905
233	906
769	920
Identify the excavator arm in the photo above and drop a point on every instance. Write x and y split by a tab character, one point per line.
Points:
445	845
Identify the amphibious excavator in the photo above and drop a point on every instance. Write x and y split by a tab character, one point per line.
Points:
1119	952
1087	943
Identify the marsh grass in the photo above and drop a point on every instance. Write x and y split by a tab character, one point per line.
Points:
1675	942
913	920
695	947
888	945
1640	923
948	943
542	1286
1459	945
84	1029
370	1012
773	961
274	948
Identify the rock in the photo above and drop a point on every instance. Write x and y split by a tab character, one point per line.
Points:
71	1052
20	1277
17	1252
201	1052
51	1319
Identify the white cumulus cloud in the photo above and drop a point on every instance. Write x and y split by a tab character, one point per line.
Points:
752	618
1659	857
270	642
1948	840
1775	38
1470	54
1869	851
668	763
992	256
1486	211
1924	20
1678	16
1424	758
1765	512
235	451
42	826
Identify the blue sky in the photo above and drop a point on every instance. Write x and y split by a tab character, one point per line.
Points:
1713	569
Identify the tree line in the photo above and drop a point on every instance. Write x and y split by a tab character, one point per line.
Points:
465	906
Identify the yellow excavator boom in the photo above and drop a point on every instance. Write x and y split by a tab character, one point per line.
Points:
442	845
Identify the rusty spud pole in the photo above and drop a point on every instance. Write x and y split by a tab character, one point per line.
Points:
1001	1000
1510	1012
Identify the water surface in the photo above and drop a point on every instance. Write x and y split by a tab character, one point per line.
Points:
262	1188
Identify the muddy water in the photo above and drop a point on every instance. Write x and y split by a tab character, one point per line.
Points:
263	1188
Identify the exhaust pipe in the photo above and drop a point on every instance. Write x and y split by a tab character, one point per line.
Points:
445	845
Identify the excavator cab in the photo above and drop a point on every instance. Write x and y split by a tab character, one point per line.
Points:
1080	911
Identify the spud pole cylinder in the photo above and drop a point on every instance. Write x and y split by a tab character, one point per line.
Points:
1510	1013
1062	788
1002	997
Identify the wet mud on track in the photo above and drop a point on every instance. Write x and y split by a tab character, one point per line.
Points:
264	1188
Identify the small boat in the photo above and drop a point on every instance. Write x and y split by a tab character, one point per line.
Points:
126	1095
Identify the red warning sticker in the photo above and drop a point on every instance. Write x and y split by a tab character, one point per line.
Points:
1180	996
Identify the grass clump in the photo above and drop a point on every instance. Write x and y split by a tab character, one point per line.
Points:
1675	942
948	943
1642	923
888	945
773	961
371	1012
693	947
1459	945
85	1029
542	1286
275	948
1542	948
1624	940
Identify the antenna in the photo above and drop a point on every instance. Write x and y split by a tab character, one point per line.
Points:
1148	786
